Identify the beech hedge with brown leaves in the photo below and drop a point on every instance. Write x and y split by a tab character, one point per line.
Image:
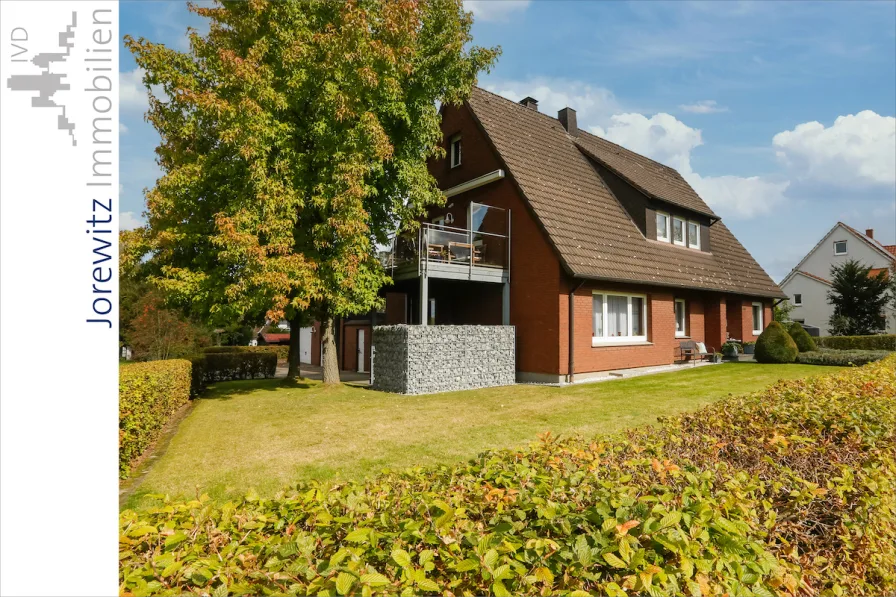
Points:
788	491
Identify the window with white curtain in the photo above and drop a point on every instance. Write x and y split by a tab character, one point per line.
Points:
681	328
662	226
694	235
618	318
678	231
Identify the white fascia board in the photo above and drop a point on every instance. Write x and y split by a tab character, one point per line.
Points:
476	182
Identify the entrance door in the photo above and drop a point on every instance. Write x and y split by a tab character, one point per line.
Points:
305	342
360	351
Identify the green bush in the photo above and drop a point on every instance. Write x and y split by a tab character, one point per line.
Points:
148	394
226	366
787	491
842	358
730	349
879	342
197	375
801	338
280	350
775	345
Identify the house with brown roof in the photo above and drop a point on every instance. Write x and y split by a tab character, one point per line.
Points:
808	283
601	258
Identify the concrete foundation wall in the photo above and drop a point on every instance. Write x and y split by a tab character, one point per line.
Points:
414	359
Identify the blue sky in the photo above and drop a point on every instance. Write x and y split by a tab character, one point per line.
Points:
780	114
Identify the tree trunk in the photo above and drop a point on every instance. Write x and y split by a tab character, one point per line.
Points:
329	359
295	349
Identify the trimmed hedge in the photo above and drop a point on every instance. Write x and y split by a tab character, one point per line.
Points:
842	358
148	394
790	490
280	350
801	338
879	342
775	345
227	366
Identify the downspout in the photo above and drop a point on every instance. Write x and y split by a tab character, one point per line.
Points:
570	375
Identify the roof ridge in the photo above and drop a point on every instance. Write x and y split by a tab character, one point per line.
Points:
518	105
605	140
868	239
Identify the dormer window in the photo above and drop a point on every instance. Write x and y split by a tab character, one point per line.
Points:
455	151
678	231
694	235
662	226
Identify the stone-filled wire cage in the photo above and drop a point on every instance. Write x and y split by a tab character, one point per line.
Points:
425	359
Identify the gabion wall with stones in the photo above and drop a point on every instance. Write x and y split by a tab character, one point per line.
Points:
424	359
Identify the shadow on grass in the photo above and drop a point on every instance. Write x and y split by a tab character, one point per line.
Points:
228	390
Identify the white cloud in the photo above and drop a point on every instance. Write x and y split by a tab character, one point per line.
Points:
592	104
661	137
495	10
128	220
857	149
132	93
666	139
122	129
703	107
738	196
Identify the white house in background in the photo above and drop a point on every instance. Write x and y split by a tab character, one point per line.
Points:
807	285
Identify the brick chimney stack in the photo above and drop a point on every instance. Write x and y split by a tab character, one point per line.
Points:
567	117
530	102
869	232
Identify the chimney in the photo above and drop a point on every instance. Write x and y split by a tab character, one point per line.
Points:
869	232
567	117
530	102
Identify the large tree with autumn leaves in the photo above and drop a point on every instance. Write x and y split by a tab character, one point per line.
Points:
295	136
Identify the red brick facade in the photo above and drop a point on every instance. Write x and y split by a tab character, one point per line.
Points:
539	286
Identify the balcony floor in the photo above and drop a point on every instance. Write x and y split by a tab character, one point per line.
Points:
453	271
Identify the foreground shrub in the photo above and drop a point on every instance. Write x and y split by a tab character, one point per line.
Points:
227	366
148	394
280	350
842	358
786	491
775	345
879	342
801	338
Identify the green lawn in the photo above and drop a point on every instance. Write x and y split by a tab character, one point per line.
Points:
263	434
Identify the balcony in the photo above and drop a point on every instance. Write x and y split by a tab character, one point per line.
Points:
479	253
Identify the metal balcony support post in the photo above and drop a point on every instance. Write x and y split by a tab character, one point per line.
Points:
424	299
505	305
424	277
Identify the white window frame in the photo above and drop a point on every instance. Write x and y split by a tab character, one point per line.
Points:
457	156
667	237
758	331
846	248
684	314
693	243
798	302
684	232
619	340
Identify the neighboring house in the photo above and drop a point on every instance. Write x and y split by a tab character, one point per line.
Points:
601	258
807	285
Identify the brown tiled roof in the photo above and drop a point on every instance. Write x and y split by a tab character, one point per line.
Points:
651	178
891	249
590	230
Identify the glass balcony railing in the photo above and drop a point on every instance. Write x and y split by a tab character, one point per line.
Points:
446	245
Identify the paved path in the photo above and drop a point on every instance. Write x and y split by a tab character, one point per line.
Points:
314	372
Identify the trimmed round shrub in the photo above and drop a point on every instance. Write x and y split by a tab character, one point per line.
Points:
801	337
775	345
